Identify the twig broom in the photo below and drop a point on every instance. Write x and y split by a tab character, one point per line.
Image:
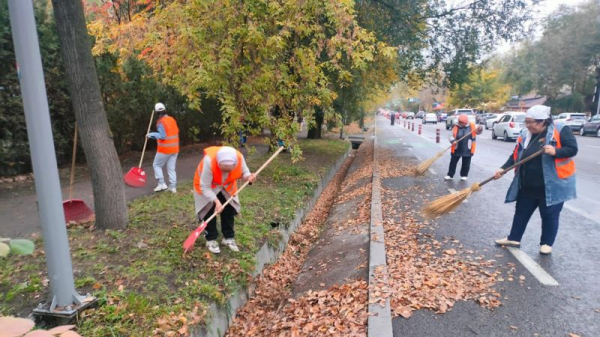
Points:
448	203
426	164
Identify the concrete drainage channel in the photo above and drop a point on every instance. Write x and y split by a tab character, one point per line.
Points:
222	316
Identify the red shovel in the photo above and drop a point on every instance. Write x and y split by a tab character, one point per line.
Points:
188	244
136	177
75	209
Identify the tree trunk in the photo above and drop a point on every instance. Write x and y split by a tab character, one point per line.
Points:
107	177
314	132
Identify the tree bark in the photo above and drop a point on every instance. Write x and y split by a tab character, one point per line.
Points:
314	132
107	181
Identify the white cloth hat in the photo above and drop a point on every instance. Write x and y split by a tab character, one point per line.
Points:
227	156
538	112
159	107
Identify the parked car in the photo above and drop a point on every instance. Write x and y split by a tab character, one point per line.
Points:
420	114
481	118
453	117
509	126
410	115
574	120
491	120
404	113
591	127
430	118
442	116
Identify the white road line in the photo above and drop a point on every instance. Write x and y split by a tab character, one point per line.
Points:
432	171
535	269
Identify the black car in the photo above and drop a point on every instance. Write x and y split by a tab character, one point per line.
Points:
591	127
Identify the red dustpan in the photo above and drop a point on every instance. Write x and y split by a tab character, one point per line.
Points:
75	209
136	177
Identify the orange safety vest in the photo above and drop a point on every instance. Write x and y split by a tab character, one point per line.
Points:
230	184
473	136
565	167
169	145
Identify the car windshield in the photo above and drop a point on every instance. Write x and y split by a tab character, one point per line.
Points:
520	118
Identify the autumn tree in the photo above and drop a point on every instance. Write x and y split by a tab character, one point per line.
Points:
96	138
484	90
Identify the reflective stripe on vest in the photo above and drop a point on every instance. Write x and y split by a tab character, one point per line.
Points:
230	184
473	136
565	167
169	145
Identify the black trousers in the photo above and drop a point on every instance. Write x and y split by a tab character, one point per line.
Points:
464	169
227	220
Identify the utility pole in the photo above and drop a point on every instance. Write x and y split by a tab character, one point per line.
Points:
64	299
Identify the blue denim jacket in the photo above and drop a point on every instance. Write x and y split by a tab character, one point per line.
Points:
557	190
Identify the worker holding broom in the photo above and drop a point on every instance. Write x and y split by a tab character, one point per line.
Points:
546	181
215	181
464	148
167	149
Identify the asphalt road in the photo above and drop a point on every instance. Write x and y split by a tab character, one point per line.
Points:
533	307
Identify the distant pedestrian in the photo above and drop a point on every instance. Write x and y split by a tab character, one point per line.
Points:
215	181
464	149
392	117
167	149
543	183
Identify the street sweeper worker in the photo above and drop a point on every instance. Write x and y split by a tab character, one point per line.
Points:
167	149
543	183
215	181
465	148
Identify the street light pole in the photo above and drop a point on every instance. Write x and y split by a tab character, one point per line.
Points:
43	157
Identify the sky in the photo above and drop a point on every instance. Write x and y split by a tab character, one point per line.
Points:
545	8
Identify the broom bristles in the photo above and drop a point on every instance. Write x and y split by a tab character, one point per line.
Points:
426	164
448	203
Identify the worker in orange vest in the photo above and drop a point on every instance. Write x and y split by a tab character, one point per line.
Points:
215	181
543	183
464	149
167	149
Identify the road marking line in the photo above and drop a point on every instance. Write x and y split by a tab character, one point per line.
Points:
432	171
535	269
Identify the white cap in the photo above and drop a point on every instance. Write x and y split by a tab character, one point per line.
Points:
159	107
538	112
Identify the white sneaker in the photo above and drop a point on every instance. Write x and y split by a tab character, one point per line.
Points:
545	249
172	190
230	243
213	246
160	187
507	242
447	178
463	178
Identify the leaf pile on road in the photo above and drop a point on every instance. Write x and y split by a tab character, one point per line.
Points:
340	310
424	272
390	166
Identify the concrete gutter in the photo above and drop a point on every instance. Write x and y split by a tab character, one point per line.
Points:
220	317
380	318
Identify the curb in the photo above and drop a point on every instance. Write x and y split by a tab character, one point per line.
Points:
220	317
380	318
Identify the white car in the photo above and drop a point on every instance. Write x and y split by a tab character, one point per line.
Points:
453	119
490	121
509	126
574	120
430	118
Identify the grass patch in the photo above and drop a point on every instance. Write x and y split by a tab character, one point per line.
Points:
140	276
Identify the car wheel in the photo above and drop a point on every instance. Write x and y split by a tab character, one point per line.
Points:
506	138
486	127
598	133
494	135
582	131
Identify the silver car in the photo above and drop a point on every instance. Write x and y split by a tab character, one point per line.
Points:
574	120
509	126
453	119
490	121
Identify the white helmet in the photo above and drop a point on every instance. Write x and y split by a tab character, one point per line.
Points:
159	107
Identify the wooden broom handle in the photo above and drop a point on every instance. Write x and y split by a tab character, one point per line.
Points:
536	154
246	183
146	141
73	163
457	141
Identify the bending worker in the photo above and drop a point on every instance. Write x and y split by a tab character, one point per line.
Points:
167	149
464	149
215	182
546	181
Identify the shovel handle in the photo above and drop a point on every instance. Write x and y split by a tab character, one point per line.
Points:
73	164
536	154
246	183
146	141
